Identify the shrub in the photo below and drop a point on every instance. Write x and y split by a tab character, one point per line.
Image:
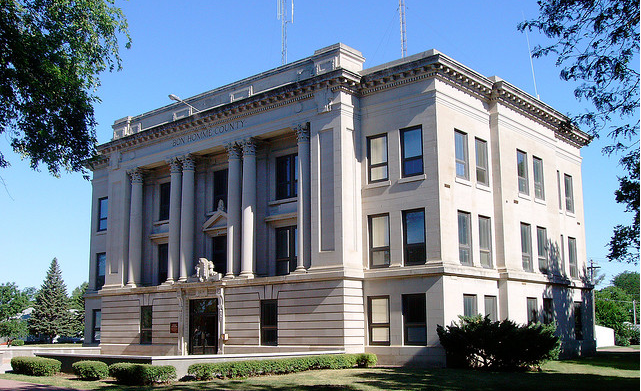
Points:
35	366
503	345
90	370
141	374
235	369
17	342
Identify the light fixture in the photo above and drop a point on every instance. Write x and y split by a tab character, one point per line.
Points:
177	99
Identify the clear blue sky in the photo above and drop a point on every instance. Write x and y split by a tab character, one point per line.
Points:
186	48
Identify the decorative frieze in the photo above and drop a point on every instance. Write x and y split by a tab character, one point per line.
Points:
302	132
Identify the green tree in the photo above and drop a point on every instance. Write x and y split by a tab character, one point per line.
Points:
12	301
14	328
51	55
51	316
596	44
77	305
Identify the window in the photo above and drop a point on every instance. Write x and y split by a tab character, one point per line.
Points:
548	311
163	262
521	166
460	154
220	188
286	250
165	195
378	317
482	175
414	236
526	246
219	253
578	321
379	254
562	245
569	194
469	305
414	319
485	241
491	310
537	170
286	176
558	186
101	262
532	310
542	248
103	208
574	272
145	324
377	158
464	238
269	322
96	320
411	152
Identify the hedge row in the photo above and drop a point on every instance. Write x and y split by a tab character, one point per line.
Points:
90	370
235	369
141	374
35	366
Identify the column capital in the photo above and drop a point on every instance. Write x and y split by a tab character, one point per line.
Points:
302	132
136	175
188	162
249	146
233	150
174	165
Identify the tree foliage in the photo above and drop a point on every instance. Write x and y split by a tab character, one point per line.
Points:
77	305
596	44
51	316
12	301
51	54
613	305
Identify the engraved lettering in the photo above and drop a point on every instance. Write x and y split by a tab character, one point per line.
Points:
210	132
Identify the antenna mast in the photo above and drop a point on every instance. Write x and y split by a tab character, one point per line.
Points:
281	14
401	12
531	62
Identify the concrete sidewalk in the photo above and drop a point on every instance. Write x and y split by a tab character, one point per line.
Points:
11	385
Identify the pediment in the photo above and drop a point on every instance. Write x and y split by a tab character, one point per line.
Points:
216	224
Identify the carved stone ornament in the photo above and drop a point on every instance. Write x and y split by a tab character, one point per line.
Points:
302	132
221	205
174	166
232	151
249	147
136	175
205	271
188	162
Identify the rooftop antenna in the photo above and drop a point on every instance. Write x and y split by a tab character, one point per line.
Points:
531	62
281	14
401	12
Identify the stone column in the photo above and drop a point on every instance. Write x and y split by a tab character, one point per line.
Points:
187	218
174	220
135	229
304	198
233	208
248	208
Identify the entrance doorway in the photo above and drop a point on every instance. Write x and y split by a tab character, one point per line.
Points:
203	326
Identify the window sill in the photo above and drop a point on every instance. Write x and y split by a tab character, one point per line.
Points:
283	201
540	201
524	196
100	233
570	214
161	222
483	187
463	181
377	184
414	178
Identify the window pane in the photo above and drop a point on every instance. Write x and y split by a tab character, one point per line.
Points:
378	173
558	185
521	161
538	178
380	231
163	260
412	143
526	246
541	244
578	321
380	310
101	262
532	310
220	188
103	205
481	162
380	258
145	317
485	241
548	311
491	308
469	305
414	319
569	194
165	193
460	152
378	150
282	243
380	334
572	257
415	227
464	238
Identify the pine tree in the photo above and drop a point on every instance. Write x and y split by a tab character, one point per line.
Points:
51	315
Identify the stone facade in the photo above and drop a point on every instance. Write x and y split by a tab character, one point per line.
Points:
343	209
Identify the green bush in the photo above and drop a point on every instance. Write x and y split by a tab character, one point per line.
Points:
17	342
141	374
235	369
90	370
503	345
35	366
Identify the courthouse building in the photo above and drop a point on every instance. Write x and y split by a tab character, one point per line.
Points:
322	206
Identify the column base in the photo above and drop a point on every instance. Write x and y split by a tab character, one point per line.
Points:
131	285
300	270
182	279
248	275
168	282
229	276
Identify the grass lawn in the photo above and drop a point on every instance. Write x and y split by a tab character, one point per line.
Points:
604	372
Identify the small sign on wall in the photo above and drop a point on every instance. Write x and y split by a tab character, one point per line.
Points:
173	327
